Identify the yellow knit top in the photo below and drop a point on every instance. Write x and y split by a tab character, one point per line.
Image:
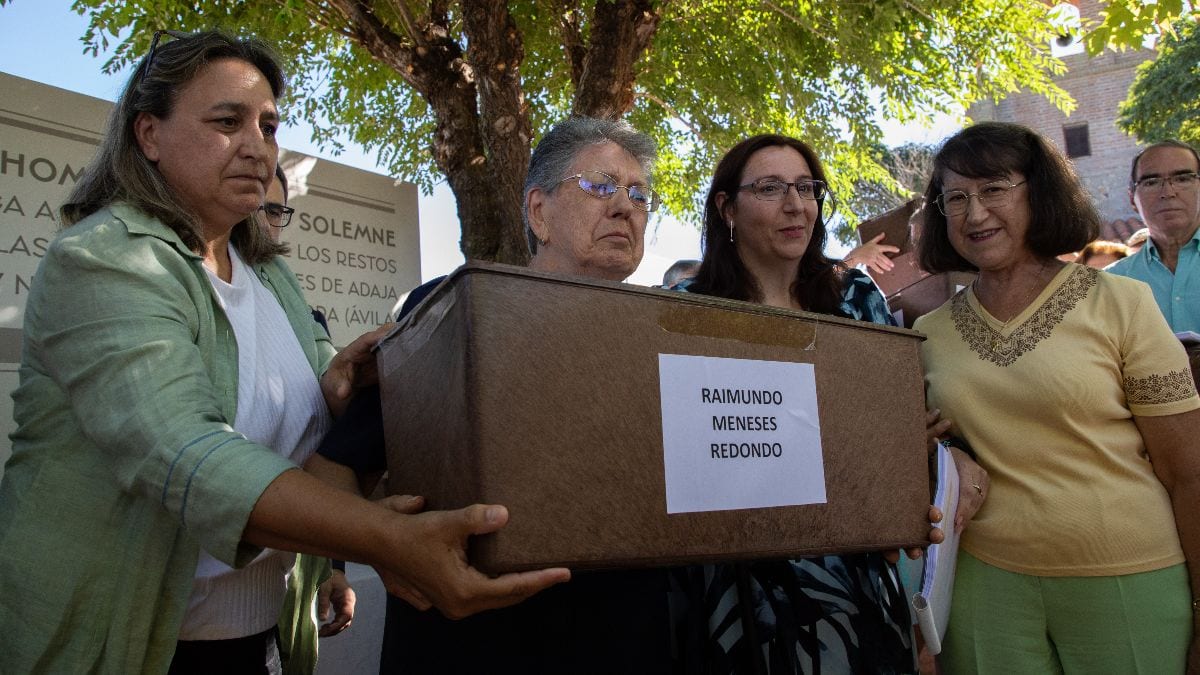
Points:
1048	404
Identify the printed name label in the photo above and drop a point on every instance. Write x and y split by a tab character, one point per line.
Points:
739	434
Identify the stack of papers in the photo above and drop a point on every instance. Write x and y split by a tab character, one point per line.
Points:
932	604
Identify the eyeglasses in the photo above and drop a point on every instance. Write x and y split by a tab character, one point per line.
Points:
772	190
278	215
604	186
1179	181
957	202
148	62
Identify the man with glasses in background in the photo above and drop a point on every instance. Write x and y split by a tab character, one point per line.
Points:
278	213
1165	189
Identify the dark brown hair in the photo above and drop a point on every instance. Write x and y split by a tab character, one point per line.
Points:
120	172
1062	218
818	284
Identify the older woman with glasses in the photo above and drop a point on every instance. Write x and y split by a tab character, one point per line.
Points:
171	378
587	201
764	240
1077	399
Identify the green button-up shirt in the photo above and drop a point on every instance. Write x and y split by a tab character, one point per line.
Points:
124	462
1177	293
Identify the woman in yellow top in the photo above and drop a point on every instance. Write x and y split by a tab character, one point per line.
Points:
1077	400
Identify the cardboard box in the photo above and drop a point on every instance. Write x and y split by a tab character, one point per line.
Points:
926	295
894	226
542	393
910	290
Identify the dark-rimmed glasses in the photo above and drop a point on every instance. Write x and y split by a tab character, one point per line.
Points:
957	202
603	186
773	189
278	215
1179	181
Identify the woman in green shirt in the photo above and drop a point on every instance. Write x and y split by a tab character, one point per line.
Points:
126	463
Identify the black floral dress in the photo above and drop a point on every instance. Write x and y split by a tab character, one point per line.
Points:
829	614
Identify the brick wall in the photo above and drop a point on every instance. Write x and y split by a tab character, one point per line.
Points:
1097	84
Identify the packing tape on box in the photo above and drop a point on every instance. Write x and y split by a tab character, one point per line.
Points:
417	327
704	322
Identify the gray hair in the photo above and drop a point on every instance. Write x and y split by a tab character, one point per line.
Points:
120	172
680	270
556	151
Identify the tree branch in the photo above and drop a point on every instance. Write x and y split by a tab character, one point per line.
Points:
672	112
369	31
400	7
572	37
802	24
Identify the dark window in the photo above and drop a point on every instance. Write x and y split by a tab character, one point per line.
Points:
1077	141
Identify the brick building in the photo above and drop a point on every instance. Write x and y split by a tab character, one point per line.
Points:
1089	135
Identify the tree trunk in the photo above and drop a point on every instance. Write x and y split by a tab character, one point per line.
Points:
621	31
495	51
482	129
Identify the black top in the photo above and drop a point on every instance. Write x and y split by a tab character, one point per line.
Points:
599	622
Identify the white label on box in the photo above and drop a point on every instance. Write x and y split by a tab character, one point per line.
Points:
739	434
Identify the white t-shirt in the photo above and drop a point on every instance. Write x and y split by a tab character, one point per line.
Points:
280	406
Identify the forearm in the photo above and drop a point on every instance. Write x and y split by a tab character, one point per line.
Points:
1185	500
330	472
1173	443
299	512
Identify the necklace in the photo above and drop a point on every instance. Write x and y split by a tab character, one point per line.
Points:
1002	344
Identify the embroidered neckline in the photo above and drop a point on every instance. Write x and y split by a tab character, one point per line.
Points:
992	345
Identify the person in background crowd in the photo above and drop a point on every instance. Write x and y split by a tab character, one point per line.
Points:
171	376
1100	254
587	201
1164	187
764	237
873	254
334	597
682	269
1077	399
278	215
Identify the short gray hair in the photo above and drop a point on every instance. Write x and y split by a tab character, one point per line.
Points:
552	158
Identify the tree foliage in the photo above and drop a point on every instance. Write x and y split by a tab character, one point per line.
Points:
1164	100
461	89
908	167
1126	23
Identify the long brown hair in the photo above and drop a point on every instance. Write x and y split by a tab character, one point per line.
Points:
818	284
120	172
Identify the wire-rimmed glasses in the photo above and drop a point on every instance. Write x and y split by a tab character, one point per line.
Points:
1178	181
773	189
603	186
957	202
